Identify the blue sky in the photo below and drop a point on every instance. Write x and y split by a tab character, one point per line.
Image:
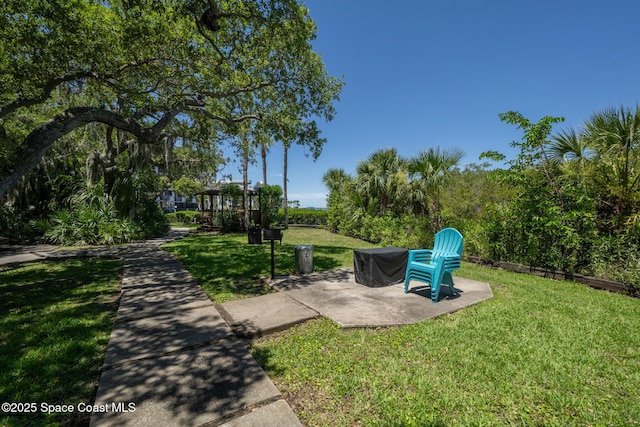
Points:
423	74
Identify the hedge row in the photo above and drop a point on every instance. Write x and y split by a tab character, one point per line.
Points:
296	216
307	216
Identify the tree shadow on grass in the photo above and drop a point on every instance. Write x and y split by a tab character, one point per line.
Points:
55	321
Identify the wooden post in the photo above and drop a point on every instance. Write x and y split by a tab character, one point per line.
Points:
201	209
273	261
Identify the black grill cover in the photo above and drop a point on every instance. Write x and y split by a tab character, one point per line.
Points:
380	266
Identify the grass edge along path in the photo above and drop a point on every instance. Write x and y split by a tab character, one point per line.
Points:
541	352
55	322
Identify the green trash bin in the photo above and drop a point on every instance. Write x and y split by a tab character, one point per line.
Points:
304	259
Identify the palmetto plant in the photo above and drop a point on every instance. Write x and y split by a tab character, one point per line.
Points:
91	219
382	179
574	154
568	145
430	171
605	155
614	135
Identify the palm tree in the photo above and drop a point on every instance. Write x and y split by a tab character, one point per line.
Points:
264	142
569	146
431	169
335	178
614	135
382	179
572	150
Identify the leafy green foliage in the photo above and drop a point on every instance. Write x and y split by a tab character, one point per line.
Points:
183	217
161	83
93	218
308	217
617	257
272	199
89	224
228	220
432	170
15	225
568	203
392	200
187	186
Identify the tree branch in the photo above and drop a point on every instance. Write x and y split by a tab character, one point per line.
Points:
226	120
36	144
53	83
46	93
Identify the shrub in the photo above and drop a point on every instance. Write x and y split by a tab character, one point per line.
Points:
271	199
150	218
183	217
307	216
15	226
618	258
90	225
92	218
229	220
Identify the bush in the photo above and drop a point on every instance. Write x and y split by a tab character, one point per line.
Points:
229	220
93	219
183	217
407	231
150	219
90	225
15	225
271	199
618	258
307	216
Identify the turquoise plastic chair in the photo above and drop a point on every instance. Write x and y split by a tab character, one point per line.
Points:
434	266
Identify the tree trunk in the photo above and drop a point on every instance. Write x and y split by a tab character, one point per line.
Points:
38	142
436	217
168	156
263	153
284	186
111	153
245	180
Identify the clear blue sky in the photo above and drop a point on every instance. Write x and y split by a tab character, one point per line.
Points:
424	74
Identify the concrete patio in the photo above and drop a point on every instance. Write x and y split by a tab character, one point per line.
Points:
336	295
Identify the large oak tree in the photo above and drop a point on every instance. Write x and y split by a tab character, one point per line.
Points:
137	65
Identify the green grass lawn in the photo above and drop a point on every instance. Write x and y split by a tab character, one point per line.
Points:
541	352
229	268
55	323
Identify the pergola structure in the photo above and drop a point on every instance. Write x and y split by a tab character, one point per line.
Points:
219	202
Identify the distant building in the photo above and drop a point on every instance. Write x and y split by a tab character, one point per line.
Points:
173	202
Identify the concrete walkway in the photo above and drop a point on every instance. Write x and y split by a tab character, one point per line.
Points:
16	254
174	358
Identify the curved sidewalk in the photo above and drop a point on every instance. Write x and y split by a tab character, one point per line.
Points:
173	361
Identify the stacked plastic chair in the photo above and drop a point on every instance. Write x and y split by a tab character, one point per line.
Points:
434	266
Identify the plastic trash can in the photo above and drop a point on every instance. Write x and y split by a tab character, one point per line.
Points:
304	259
